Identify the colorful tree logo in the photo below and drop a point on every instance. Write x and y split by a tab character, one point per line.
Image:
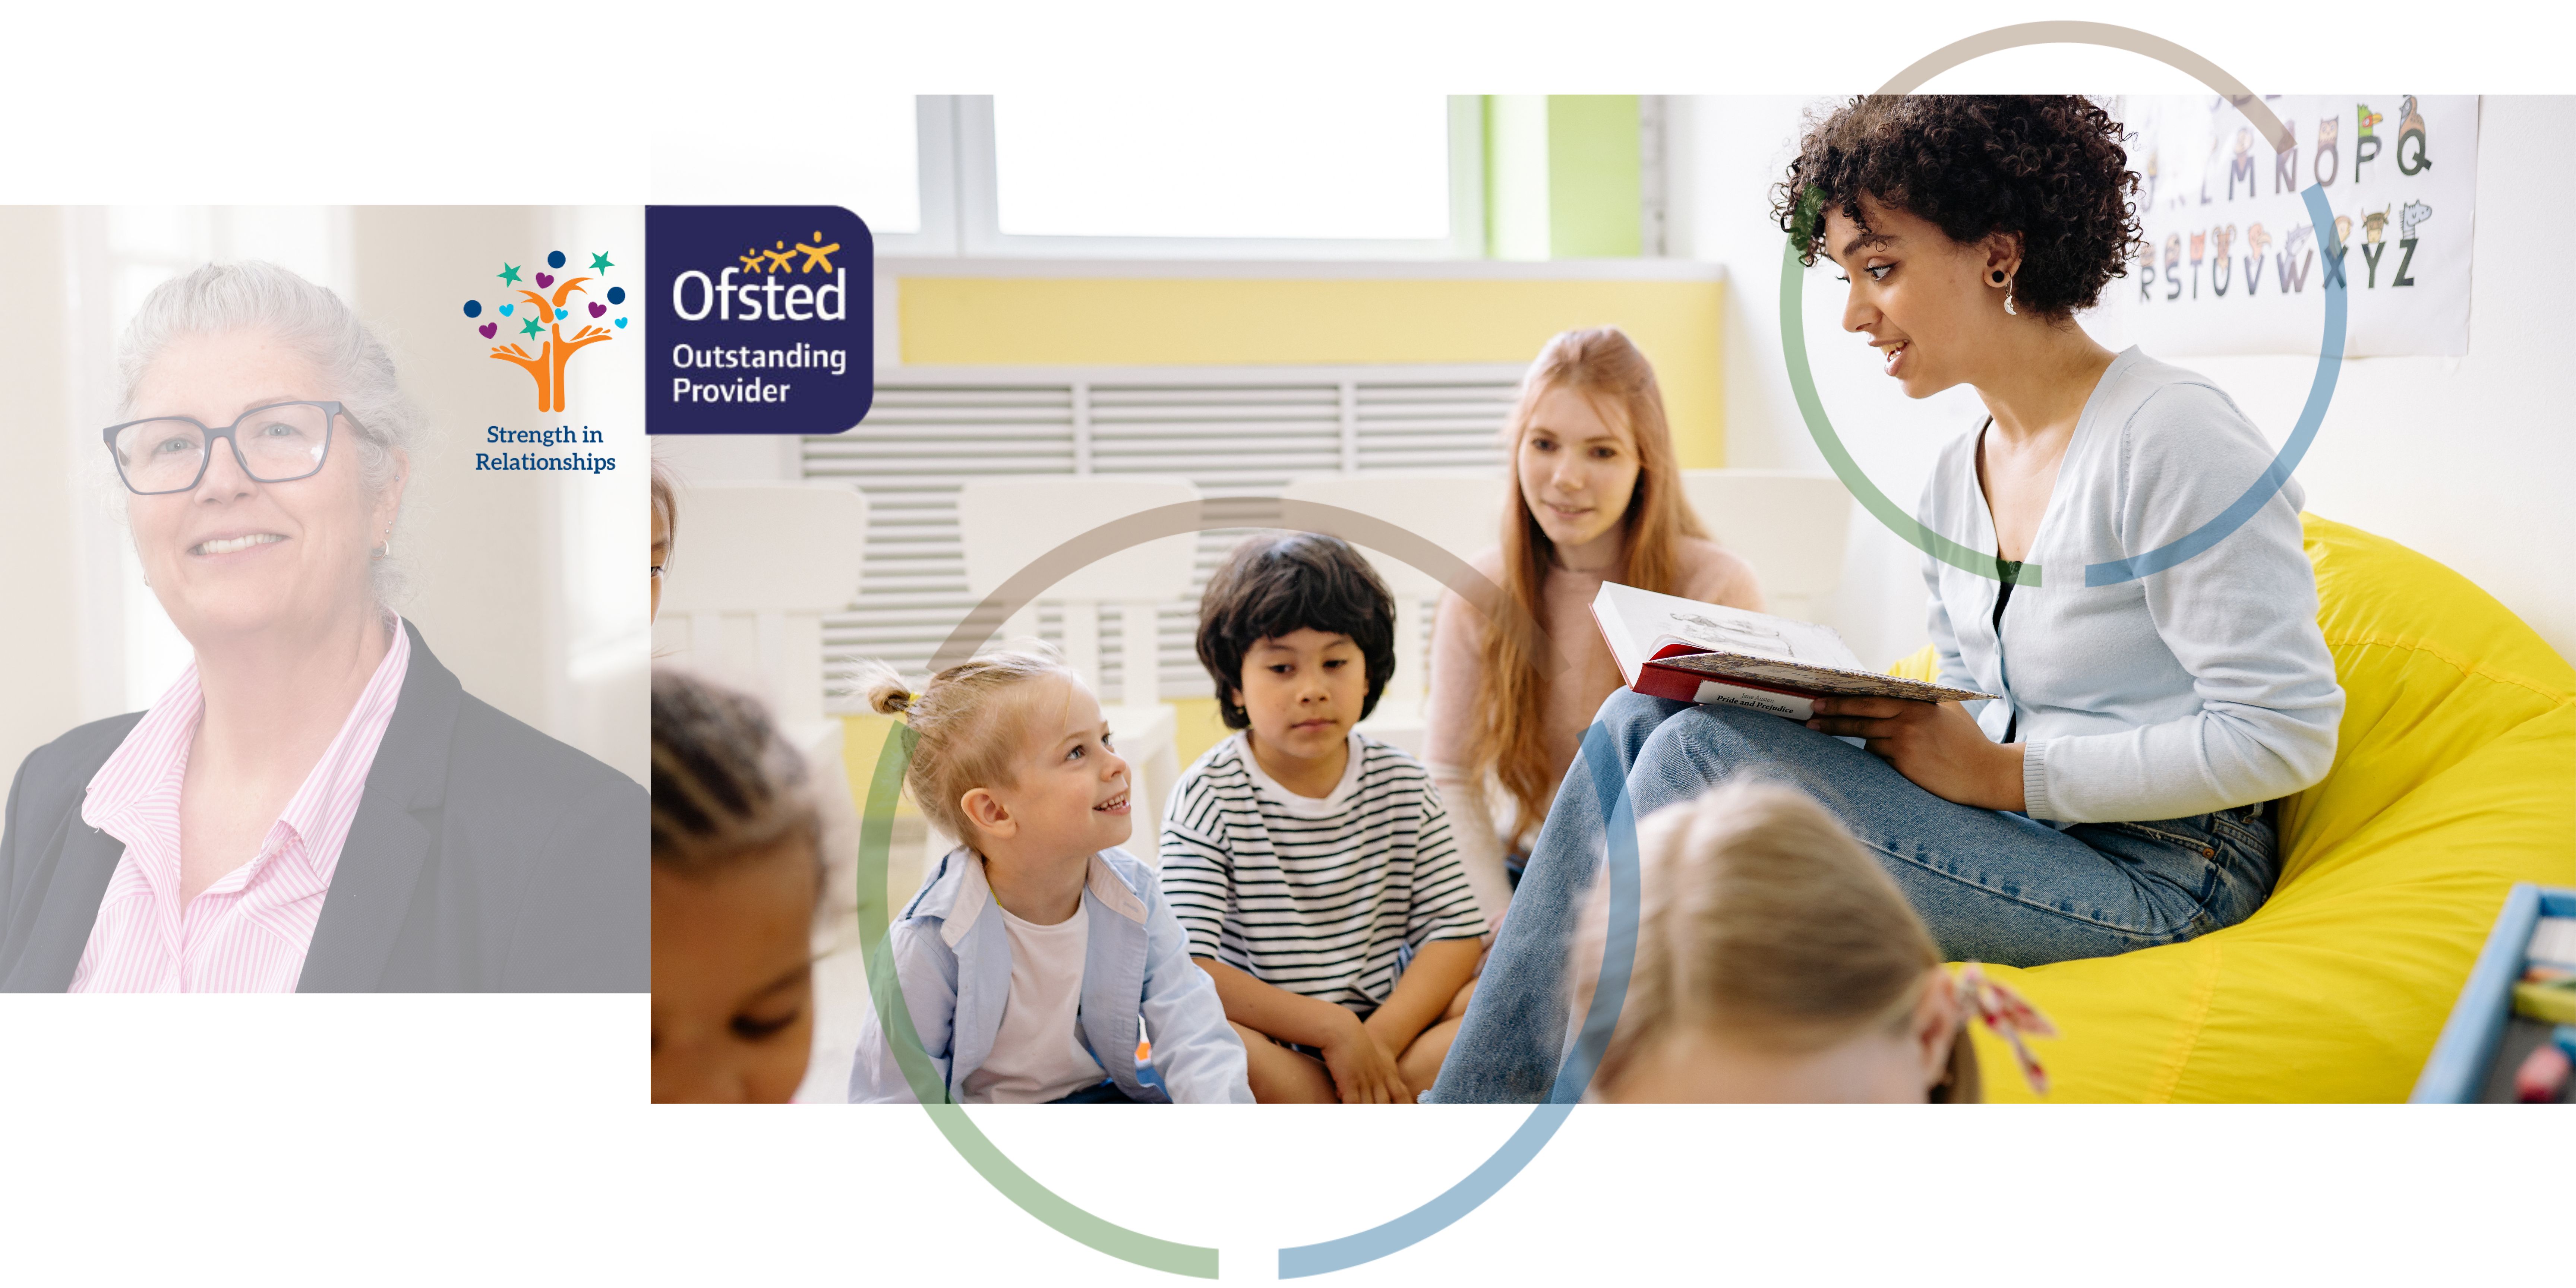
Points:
545	316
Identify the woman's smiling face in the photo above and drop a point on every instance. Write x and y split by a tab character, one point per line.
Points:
1577	469
236	556
1925	301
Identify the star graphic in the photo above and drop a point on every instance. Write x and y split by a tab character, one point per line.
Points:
509	272
599	262
818	256
531	328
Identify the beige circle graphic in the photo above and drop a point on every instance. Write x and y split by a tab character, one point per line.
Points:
2095	33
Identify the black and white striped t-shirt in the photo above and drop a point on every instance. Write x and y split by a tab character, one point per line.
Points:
1325	898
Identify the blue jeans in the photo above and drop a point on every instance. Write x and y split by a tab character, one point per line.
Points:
1993	886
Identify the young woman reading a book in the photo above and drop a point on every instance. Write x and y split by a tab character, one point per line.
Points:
2117	794
1596	494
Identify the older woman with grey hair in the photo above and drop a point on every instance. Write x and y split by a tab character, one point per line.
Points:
316	804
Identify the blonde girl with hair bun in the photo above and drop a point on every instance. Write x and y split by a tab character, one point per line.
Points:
1776	961
1595	496
1038	962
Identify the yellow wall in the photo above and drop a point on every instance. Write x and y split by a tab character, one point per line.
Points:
862	737
1189	321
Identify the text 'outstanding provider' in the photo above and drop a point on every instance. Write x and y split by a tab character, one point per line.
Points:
764	302
800	278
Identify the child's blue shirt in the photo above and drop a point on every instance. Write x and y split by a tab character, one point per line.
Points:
953	956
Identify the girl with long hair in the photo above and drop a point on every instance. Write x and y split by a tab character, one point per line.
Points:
1595	496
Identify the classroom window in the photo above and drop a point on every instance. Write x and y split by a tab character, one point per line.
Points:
885	186
887	160
1142	176
1106	174
1324	166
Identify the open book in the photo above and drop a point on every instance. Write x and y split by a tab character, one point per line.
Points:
1670	647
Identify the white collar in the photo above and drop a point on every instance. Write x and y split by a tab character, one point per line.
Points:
1303	806
974	893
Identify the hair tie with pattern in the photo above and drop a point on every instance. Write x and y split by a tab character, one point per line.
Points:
2009	1015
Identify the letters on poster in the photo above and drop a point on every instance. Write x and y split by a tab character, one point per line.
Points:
2234	263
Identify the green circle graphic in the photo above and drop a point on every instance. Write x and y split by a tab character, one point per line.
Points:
981	623
876	835
1897	519
876	832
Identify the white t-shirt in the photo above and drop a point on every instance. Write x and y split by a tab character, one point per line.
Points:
1037	1056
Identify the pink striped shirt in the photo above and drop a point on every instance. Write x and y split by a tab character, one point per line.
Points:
249	931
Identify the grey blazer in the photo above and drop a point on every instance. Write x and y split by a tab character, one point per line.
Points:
485	857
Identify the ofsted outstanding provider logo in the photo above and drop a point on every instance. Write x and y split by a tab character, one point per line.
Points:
760	321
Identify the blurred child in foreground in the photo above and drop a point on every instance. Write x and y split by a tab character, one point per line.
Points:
1776	961
736	872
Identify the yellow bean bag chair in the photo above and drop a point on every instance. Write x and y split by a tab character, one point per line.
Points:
2454	777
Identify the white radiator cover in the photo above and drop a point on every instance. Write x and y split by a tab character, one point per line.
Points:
1234	431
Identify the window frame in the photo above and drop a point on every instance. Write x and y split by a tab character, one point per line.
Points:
961	213
934	122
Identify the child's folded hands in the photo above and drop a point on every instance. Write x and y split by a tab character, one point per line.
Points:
1364	1071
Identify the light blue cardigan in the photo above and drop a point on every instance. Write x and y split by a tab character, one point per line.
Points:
954	959
2202	687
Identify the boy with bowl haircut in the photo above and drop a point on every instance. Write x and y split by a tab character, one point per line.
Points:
1311	865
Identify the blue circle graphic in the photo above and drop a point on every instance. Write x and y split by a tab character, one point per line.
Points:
1600	760
2109	572
2320	393
1573	1077
554	259
617	295
474	308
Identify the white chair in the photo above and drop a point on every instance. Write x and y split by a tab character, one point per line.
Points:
1459	512
1009	523
1791	525
754	568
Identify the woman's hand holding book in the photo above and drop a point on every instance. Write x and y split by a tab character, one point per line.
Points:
1936	745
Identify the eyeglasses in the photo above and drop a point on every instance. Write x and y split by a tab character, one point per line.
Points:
278	443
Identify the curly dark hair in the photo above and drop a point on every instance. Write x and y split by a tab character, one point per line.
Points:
2048	167
1277	583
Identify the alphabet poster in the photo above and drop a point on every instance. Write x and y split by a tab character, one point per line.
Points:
2234	262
